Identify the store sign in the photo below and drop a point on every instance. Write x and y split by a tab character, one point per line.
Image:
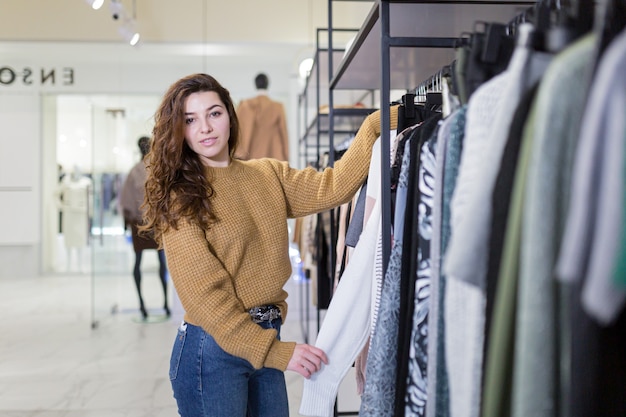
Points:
43	76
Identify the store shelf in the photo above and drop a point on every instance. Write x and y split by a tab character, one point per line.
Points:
347	121
314	133
413	26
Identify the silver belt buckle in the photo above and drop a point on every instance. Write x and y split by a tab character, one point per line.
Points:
264	313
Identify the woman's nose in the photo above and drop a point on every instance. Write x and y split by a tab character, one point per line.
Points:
206	126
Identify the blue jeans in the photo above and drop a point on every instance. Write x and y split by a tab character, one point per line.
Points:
208	382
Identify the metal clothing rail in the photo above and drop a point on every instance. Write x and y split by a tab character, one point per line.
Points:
383	56
314	126
386	55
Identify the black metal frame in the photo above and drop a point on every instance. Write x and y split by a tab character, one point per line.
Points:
381	13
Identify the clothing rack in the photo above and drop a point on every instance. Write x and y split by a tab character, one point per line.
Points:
375	43
385	77
314	126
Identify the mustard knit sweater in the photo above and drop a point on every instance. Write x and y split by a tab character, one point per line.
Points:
242	261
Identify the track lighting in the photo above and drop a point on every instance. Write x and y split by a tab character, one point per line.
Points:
117	9
95	4
128	32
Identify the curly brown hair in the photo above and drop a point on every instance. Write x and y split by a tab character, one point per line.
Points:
176	186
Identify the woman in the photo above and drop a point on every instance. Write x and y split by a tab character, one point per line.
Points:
223	225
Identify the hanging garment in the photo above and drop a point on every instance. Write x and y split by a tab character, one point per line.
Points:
449	145
464	301
501	198
598	332
415	391
343	217
74	196
489	121
356	224
498	365
373	194
560	102
499	359
379	390
489	115
324	279
410	262
602	299
347	323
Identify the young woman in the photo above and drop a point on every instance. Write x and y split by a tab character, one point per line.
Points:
223	225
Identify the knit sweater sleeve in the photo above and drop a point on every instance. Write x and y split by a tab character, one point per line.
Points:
309	191
210	301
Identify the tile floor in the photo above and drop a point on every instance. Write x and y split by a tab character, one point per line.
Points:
54	364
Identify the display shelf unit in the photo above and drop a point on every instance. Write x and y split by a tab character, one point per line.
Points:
402	43
317	123
314	115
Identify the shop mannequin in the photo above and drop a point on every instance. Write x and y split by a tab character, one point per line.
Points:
74	200
131	199
263	125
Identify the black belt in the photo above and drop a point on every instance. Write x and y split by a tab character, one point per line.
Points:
265	313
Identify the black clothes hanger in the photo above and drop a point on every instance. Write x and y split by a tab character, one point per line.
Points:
459	67
452	76
489	54
610	21
558	24
582	16
409	113
498	46
434	101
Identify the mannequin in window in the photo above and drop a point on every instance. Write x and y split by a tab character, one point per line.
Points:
263	125
73	198
131	199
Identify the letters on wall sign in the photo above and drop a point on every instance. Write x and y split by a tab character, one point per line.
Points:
43	76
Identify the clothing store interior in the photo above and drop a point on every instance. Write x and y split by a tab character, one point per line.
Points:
503	294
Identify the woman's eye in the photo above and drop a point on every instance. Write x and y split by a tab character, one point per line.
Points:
216	113
189	120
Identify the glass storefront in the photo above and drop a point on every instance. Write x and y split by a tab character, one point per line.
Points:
95	139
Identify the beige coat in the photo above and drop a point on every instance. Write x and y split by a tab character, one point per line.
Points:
263	129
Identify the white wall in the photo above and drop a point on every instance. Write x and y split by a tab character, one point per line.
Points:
20	190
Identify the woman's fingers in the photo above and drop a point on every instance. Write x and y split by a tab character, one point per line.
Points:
306	360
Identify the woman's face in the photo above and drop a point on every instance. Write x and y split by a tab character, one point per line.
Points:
207	128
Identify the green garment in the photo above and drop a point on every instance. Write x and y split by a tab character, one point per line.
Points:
500	343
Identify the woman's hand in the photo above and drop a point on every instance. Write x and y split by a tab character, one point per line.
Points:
306	360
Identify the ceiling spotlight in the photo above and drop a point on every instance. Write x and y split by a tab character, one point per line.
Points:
129	32
305	67
95	4
117	9
133	41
